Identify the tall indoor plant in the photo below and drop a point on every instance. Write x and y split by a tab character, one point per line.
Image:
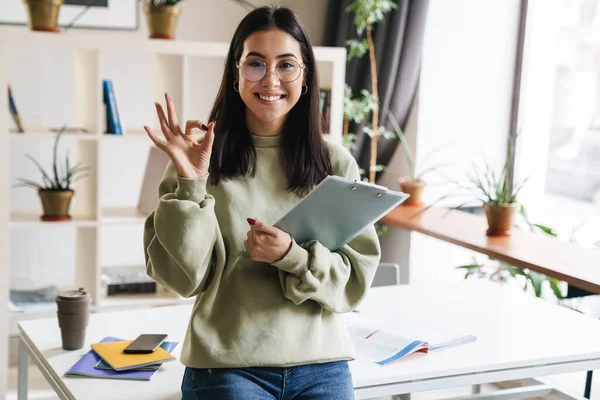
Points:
368	13
55	189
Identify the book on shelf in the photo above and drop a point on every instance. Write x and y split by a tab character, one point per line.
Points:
325	103
388	340
112	353
33	300
14	112
113	120
91	365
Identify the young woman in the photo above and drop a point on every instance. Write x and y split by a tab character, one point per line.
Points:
266	322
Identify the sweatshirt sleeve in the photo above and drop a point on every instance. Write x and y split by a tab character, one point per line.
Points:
337	280
180	234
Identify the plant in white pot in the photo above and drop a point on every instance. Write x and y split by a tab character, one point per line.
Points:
56	187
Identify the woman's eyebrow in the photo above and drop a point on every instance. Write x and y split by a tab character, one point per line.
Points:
257	54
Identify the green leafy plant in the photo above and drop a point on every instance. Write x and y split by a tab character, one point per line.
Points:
61	177
493	188
415	175
356	109
483	184
367	13
500	271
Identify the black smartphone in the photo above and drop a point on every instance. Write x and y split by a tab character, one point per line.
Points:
145	343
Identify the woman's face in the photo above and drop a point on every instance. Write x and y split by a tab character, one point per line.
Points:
269	97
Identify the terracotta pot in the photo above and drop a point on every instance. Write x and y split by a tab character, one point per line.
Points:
501	218
56	204
414	189
162	21
43	14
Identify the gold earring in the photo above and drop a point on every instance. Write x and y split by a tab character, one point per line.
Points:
236	88
305	86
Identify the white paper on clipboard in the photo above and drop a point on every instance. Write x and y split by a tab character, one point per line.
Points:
337	210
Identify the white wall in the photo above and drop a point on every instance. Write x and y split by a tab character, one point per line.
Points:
46	256
464	98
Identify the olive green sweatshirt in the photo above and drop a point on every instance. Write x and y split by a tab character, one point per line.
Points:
249	313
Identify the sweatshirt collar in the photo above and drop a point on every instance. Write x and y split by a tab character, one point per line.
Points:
266	141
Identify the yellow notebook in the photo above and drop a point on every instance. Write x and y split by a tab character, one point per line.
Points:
112	353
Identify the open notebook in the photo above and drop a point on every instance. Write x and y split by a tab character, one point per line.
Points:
387	340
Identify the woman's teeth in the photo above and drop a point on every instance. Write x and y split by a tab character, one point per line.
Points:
269	98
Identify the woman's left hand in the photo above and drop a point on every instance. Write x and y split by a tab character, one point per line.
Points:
265	243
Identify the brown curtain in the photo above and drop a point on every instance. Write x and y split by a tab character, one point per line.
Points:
398	43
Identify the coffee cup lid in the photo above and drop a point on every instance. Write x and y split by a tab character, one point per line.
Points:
74	294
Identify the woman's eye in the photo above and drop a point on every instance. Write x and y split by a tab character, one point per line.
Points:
286	65
256	64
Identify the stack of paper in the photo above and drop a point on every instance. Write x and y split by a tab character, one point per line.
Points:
107	360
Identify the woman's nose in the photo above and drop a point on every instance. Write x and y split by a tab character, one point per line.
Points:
270	79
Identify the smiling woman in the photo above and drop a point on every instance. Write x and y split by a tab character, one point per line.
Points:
266	322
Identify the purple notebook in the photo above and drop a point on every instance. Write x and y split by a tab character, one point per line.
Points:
86	367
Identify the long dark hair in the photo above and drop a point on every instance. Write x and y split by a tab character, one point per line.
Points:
304	154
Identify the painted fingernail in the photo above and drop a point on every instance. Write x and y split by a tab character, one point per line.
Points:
251	221
204	127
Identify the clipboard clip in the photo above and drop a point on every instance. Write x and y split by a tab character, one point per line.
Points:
382	189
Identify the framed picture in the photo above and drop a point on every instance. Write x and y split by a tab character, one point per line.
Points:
102	14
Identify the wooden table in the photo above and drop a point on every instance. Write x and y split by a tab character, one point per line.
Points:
578	266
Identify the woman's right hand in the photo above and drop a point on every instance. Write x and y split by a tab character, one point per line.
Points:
190	158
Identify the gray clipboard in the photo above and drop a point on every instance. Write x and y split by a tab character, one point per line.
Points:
337	210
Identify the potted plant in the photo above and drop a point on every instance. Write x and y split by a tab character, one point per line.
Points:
43	14
162	16
414	184
55	189
495	191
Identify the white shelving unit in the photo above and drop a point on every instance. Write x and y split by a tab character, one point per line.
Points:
172	64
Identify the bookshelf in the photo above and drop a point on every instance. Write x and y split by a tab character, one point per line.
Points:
174	69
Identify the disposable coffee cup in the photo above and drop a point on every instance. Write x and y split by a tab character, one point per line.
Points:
73	312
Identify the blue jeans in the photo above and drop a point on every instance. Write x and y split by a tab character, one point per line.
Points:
328	381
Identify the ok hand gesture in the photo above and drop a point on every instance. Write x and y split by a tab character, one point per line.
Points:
190	158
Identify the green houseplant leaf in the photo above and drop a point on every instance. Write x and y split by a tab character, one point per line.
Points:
60	178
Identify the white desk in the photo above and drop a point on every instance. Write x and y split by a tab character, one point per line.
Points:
519	337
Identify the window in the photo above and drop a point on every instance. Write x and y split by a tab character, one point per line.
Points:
560	116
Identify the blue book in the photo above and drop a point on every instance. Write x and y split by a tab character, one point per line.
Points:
13	111
86	367
113	122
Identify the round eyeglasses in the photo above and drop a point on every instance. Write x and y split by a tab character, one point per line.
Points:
286	70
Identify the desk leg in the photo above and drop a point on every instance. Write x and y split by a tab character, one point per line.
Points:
588	384
23	371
